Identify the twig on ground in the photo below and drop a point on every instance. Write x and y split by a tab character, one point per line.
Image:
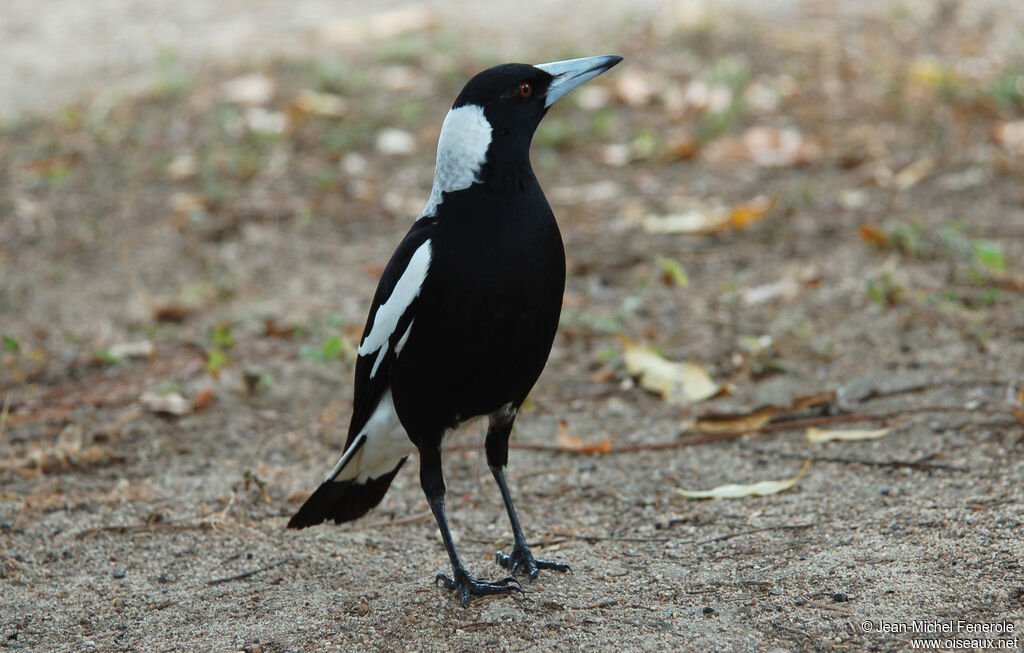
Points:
408	519
920	463
606	538
772	427
5	414
142	528
729	536
245	574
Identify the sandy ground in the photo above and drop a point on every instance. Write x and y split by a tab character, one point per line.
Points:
867	270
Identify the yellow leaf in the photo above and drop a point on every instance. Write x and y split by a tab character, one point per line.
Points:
734	491
670	379
817	436
743	215
672	272
927	71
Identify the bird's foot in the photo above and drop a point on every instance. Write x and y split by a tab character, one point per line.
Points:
521	561
468	587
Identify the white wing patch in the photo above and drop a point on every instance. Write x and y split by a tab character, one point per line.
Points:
385	320
405	336
377	448
461	151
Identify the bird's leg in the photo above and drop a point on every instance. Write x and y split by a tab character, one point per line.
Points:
521	559
432	482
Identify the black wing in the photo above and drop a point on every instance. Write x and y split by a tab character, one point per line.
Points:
370	384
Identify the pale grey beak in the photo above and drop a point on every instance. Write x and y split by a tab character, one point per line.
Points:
570	73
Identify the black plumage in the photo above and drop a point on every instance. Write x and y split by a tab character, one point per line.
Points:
465	312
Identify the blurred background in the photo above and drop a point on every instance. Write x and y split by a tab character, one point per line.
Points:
817	205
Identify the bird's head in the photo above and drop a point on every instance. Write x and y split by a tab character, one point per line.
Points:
495	116
514	96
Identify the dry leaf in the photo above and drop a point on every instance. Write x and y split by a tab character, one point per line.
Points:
182	167
720	423
141	349
1010	135
782	289
697	222
700	219
817	436
871	234
735	491
764	146
744	215
672	380
569	442
1018	406
909	176
396	142
171	403
203	399
254	89
634	88
314	103
755	419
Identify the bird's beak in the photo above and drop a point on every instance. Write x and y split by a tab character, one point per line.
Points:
570	73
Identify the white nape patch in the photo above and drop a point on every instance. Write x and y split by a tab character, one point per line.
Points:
461	151
385	320
385	443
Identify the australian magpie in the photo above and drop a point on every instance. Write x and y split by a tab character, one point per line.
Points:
465	313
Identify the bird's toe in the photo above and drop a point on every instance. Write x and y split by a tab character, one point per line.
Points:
521	561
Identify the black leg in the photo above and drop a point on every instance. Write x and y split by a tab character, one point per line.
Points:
521	559
432	482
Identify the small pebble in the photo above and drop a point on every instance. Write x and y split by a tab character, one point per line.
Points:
118	574
708	610
840	597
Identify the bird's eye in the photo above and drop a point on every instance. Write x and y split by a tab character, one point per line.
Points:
525	90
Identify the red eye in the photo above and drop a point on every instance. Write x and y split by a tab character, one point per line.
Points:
525	90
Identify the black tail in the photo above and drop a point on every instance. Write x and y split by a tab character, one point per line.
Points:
343	501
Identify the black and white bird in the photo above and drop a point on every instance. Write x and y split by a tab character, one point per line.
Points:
465	313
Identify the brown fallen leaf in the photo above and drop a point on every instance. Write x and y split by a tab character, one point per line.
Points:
204	398
744	215
569	442
173	313
723	423
1017	402
872	235
757	418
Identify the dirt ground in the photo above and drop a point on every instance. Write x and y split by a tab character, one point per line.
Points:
806	202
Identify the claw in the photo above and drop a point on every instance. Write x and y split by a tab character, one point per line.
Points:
468	587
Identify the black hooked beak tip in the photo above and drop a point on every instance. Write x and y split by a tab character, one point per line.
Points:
570	73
